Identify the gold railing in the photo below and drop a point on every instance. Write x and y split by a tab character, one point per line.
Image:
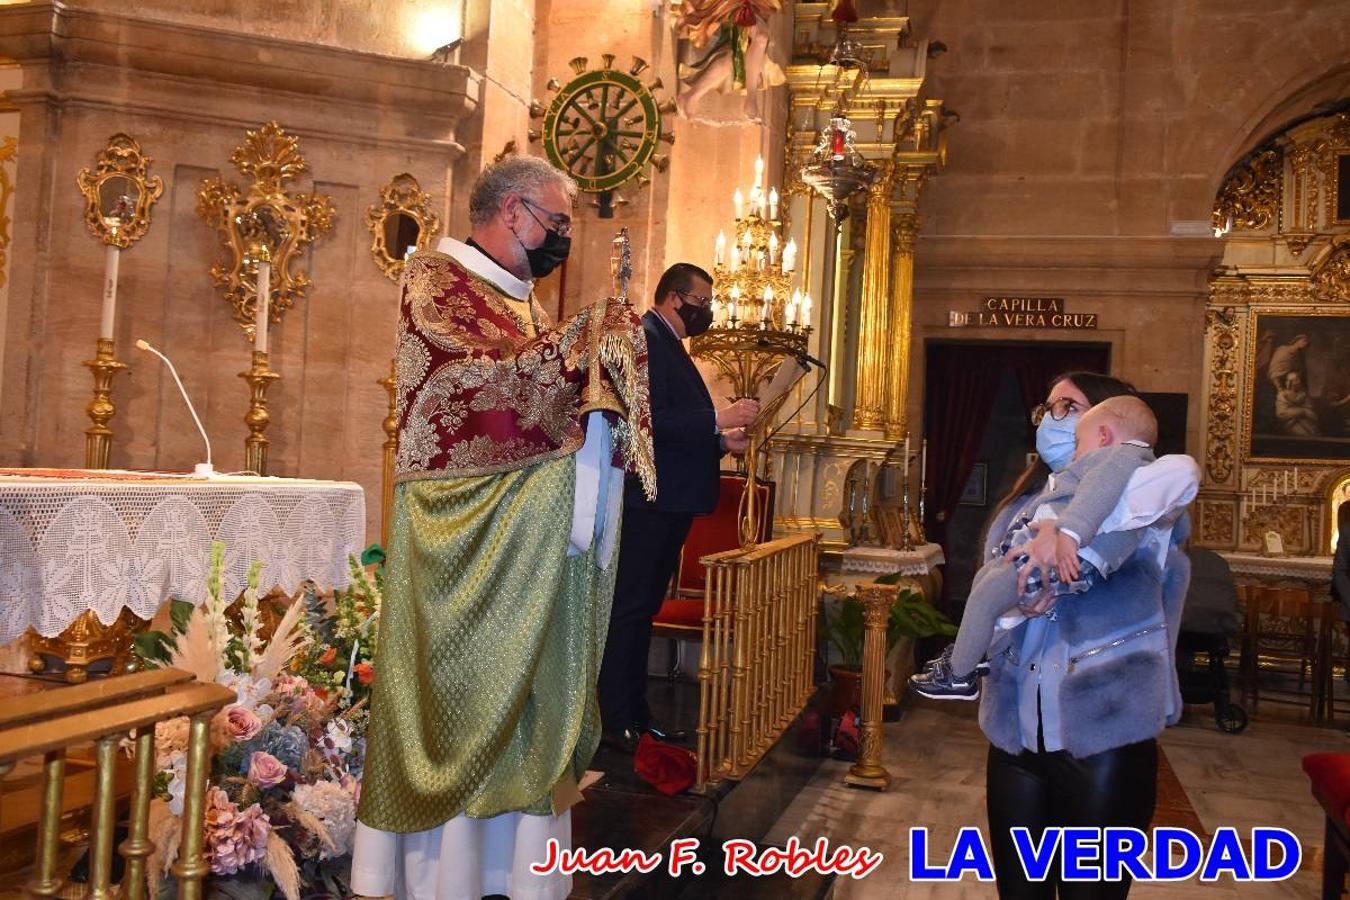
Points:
755	667
105	712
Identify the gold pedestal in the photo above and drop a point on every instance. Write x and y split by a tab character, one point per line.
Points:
868	772
98	437
258	418
87	641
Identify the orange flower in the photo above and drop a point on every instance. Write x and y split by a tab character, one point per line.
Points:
365	672
329	657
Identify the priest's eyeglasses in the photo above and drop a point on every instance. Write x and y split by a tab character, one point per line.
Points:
558	222
1058	410
693	299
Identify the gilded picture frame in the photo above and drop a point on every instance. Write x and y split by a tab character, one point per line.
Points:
119	192
1297	404
264	220
402	220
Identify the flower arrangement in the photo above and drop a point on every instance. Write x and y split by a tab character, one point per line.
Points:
286	756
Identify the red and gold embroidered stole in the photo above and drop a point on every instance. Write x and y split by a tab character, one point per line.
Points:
477	395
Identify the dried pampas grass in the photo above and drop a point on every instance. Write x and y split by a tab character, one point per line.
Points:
280	861
195	650
166	832
286	641
311	822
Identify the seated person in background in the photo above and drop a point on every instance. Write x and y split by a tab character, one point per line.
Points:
1089	521
1294	408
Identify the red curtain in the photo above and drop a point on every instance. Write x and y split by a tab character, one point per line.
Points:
1034	370
961	388
962	384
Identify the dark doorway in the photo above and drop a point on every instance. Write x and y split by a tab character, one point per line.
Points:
977	417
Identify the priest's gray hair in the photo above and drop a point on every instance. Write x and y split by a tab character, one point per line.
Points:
514	175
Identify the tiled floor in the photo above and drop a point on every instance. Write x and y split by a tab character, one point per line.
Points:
1239	780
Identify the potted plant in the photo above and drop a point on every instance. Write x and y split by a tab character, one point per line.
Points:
911	618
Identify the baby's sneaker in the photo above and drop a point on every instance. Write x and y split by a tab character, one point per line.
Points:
981	667
941	684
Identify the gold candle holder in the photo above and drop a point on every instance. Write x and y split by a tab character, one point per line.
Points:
390	425
98	437
257	418
868	772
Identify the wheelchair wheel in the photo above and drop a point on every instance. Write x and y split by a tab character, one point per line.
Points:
1231	719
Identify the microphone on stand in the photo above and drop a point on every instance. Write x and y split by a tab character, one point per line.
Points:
808	358
802	356
201	469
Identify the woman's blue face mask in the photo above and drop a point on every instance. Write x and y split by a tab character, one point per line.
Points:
1055	440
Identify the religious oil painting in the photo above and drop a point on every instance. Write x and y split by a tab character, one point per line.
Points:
1299	396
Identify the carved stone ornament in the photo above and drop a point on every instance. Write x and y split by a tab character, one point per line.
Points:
1223	328
1331	277
266	222
8	152
402	219
1216	523
1250	195
119	192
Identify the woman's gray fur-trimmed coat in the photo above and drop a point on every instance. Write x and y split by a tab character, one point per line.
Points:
1117	695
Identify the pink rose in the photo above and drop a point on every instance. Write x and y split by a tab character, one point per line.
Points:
265	770
241	724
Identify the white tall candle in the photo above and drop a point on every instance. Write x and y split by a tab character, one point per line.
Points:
806	309
759	170
264	300
773	249
735	258
923	466
110	261
720	250
906	451
773	203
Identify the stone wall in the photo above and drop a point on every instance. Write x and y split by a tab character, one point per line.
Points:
1091	143
188	94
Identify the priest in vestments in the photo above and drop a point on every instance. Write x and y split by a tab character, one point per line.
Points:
513	441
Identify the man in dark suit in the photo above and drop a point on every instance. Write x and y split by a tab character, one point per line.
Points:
690	437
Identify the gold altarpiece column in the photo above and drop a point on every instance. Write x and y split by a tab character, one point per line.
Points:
904	229
874	338
867	288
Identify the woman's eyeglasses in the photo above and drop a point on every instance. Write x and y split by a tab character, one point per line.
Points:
1058	410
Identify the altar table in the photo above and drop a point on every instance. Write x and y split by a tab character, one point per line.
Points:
108	541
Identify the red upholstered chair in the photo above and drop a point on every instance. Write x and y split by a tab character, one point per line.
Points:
681	615
1330	775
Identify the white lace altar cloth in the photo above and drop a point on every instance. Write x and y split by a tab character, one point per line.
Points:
72	540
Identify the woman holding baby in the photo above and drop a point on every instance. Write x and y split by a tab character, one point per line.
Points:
1076	695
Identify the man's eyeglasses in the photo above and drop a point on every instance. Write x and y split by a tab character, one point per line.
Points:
1058	410
693	299
559	222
